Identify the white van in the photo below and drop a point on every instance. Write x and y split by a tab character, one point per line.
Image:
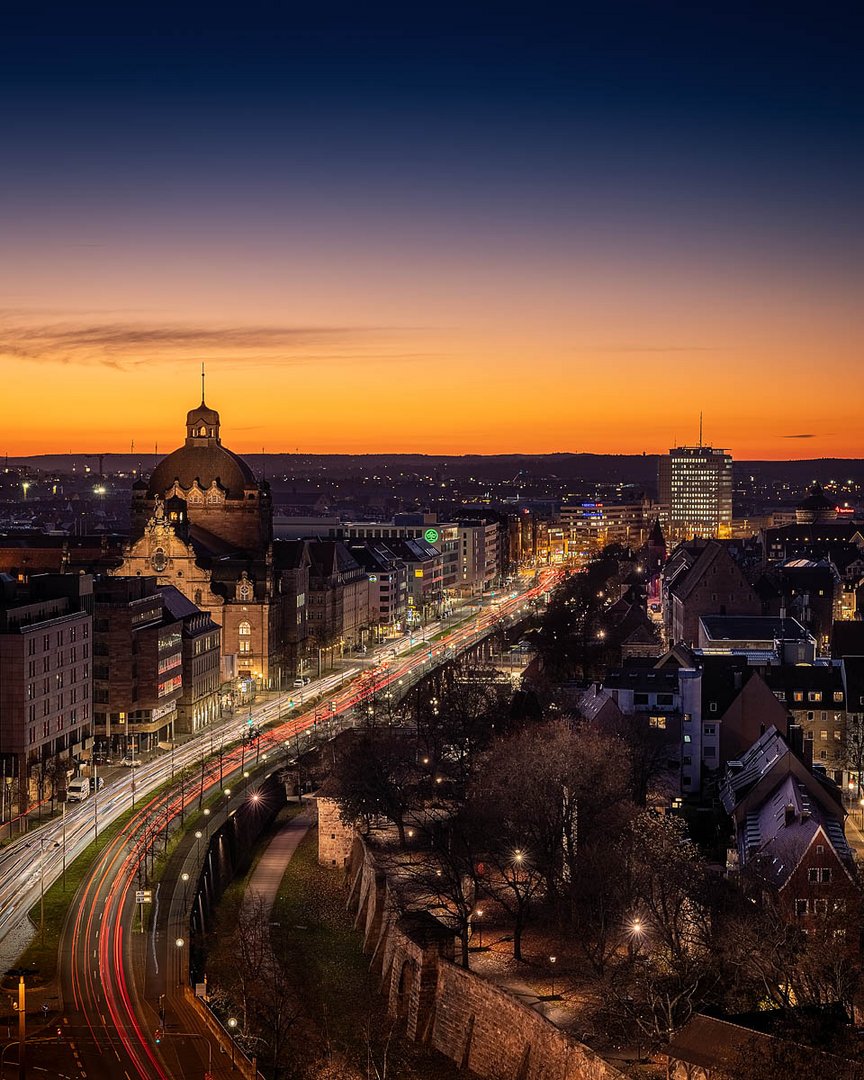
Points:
78	790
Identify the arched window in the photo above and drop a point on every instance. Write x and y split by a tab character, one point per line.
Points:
245	633
198	597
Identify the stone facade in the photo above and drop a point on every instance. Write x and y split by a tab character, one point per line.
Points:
335	838
204	524
475	1023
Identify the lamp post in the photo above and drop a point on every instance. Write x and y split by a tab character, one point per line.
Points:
478	915
41	886
552	960
63	818
130	752
180	943
207	816
637	929
198	835
184	877
232	1027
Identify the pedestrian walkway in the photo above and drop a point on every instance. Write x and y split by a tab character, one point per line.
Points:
267	875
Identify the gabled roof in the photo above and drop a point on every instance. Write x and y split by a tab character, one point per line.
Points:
741	776
780	808
330	557
713	1044
644	634
290	554
176	603
685	585
784	825
679	656
599	706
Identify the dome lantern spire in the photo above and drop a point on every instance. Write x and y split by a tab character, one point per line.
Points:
202	424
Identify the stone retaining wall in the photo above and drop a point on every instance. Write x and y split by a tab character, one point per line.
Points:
472	1021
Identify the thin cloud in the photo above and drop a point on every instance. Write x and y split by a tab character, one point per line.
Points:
655	348
797	436
127	345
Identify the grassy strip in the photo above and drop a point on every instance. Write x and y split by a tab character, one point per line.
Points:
316	940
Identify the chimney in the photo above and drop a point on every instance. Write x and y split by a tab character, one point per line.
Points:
789	814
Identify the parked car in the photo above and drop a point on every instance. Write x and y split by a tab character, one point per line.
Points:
130	763
299	682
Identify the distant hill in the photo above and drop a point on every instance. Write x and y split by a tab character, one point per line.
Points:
640	469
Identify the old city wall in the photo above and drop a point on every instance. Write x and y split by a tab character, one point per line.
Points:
475	1023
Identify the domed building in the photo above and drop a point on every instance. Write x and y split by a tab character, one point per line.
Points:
221	493
816	508
203	523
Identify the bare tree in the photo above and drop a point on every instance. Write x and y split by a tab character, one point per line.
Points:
560	790
376	777
441	873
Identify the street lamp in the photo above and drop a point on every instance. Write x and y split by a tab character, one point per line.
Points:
637	929
232	1027
180	943
198	835
41	886
552	960
184	877
478	915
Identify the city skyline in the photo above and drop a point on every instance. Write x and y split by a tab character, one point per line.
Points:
439	233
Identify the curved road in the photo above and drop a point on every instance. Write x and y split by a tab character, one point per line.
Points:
106	1027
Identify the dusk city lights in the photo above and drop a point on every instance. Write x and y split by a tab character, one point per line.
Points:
431	542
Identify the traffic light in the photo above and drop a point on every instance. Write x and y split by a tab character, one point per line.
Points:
59	1034
158	1036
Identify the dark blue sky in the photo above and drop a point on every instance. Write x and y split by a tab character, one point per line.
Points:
612	165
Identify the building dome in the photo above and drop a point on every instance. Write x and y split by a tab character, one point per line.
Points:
204	464
815	508
202	458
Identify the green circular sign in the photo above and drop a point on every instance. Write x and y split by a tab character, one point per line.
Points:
431	536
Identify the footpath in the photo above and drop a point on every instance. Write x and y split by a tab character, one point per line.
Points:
267	875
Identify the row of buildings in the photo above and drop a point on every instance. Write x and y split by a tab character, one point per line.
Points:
109	647
97	664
